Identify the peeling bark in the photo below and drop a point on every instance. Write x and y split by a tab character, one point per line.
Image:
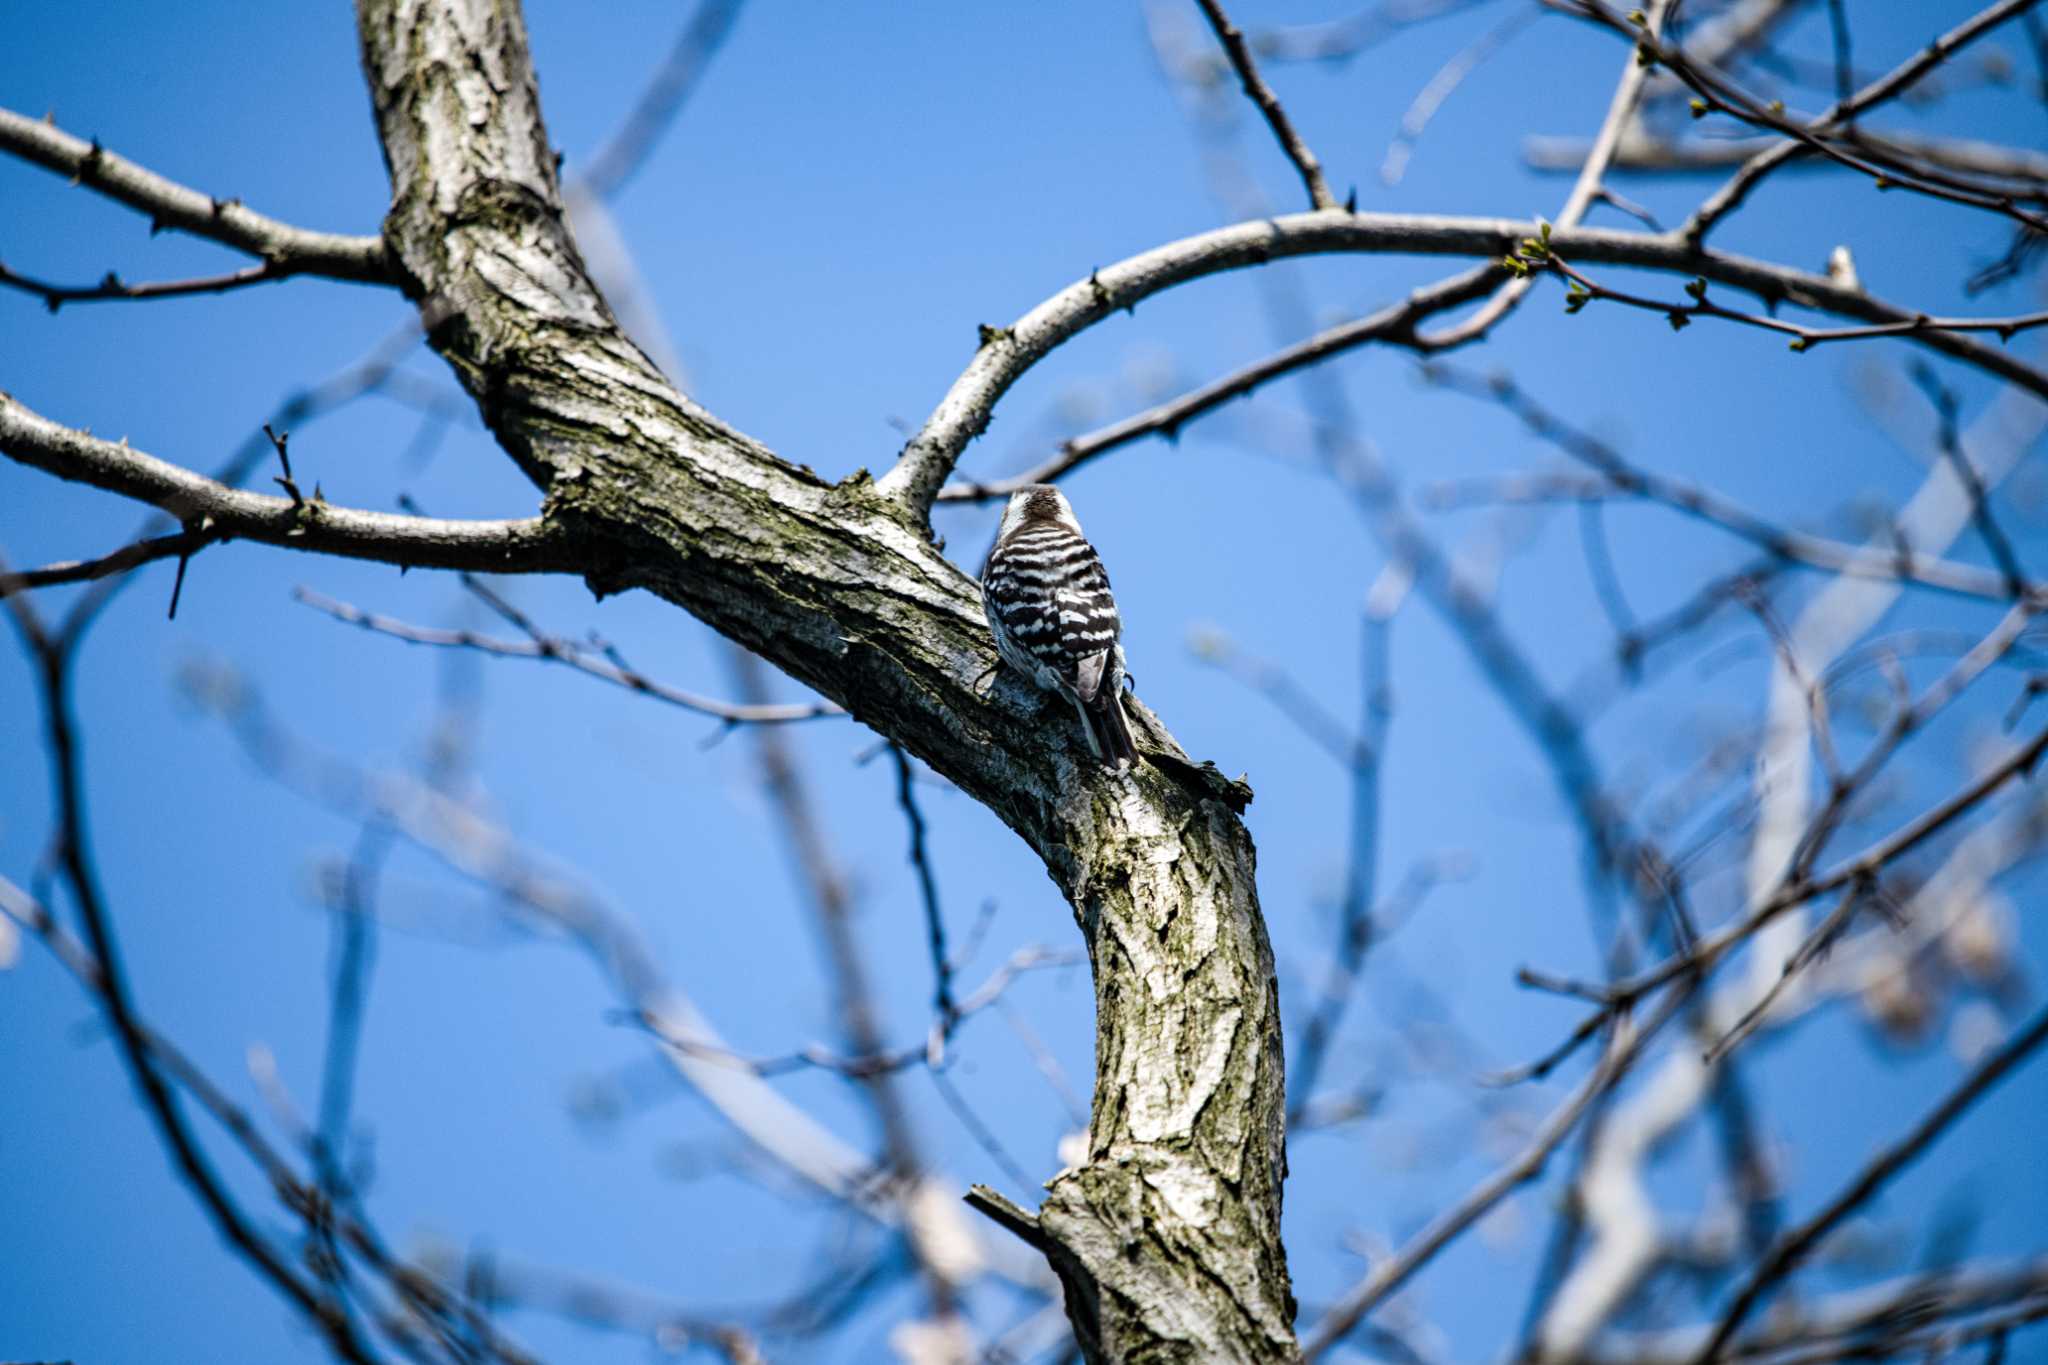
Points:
1168	1236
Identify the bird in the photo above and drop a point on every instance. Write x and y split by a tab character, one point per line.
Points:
1048	603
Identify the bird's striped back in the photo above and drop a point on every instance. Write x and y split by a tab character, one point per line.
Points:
1048	592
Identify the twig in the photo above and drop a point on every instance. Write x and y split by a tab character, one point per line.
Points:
1948	439
928	889
112	286
1261	94
1717	94
1340	40
1901	78
1831	927
1799	1242
1415	119
555	649
1358	920
1584	290
1623	1046
73	858
664	96
1862	868
181	545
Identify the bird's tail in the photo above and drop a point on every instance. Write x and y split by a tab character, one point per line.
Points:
1109	730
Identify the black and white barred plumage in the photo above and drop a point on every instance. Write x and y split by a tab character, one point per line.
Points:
1048	603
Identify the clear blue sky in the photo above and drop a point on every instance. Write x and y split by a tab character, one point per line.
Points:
852	191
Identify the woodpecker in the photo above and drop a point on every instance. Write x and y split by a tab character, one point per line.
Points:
1048	604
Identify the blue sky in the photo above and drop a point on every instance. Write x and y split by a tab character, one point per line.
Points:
850	193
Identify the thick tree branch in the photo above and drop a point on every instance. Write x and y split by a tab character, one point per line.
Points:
1007	353
842	589
287	250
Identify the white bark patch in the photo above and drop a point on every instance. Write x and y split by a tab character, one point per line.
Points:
538	284
1163	1097
1189	1191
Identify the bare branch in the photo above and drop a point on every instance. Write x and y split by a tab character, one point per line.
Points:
100	962
673	84
285	250
928	888
1620	477
1799	1242
1007	353
556	649
128	557
1624	1044
213	511
1261	94
1894	83
1680	315
55	296
1339	40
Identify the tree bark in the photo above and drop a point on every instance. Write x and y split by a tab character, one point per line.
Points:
1167	1237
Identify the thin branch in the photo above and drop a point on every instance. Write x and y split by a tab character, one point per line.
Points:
1832	926
1007	353
1901	78
1261	94
928	888
1584	290
215	511
1948	439
673	84
1415	119
112	286
454	1318
1716	93
1620	476
1787	547
73	857
1644	152
1624	1044
830	900
1862	868
1799	1242
555	649
1339	40
147	551
1394	325
285	250
1838	25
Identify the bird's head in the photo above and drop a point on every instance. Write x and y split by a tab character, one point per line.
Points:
1038	502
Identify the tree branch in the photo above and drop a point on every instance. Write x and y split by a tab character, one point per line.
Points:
840	588
1892	84
1261	94
285	249
55	296
214	511
1007	353
555	649
1798	1242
